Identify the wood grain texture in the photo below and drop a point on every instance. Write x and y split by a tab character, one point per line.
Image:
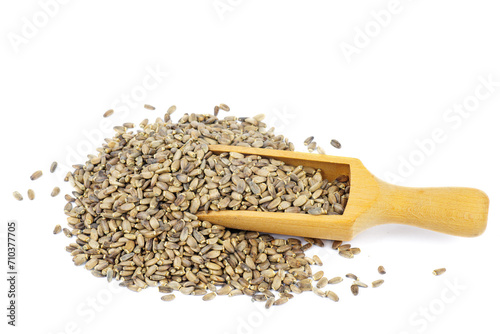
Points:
456	211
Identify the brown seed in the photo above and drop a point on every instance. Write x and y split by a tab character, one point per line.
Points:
108	113
347	254
355	250
381	270
336	244
171	110
31	194
36	175
332	295
269	302
168	298
209	296
317	260
308	140
360	284
57	229
323	281
377	283
55	192
335	280
223	107
354	277
335	143
318	275
149	107
281	301
53	167
355	289
216	111
17	195
439	271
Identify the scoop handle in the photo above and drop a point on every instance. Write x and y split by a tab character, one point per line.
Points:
452	210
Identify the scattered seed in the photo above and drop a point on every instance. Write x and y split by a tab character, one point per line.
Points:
377	283
149	107
317	260
323	281
354	289
308	140
312	146
209	296
170	297
332	295
171	110
108	113
335	143
336	244
57	229
347	254
360	284
53	167
439	271
36	175
335	280
269	302
31	194
355	250
17	195
354	277
224	107
381	270
318	275
55	192
280	301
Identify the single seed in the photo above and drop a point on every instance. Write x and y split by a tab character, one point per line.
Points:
347	254
355	250
108	113
149	107
281	301
311	147
55	192
224	107
377	283
57	229
439	271
170	297
171	110
269	302
323	281
354	277
381	270
17	195
36	175
317	260
335	280
318	275
320	150
31	194
209	296
360	284
355	289
336	244
335	143
308	140
332	295
109	275
53	167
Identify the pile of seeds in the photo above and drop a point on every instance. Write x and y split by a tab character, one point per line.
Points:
134	208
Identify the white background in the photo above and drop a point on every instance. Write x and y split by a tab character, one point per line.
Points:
285	59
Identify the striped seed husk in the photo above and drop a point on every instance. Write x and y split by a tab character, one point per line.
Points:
57	229
36	175
17	195
381	270
31	194
53	167
377	283
55	191
108	113
439	271
355	289
149	107
168	298
335	143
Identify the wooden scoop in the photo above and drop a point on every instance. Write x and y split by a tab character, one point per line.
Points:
452	210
